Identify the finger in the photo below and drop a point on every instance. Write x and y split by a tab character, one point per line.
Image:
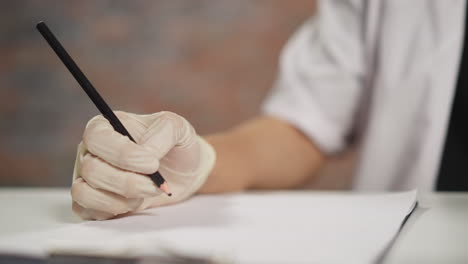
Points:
167	130
101	200
103	141
81	150
90	214
102	175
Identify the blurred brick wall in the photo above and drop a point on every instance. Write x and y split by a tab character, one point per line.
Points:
211	61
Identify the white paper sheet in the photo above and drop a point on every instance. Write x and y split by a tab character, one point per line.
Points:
278	227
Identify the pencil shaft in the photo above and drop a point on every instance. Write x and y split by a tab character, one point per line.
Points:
82	80
92	93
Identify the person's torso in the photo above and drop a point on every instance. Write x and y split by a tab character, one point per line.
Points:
414	50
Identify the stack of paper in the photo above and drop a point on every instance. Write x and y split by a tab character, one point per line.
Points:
278	227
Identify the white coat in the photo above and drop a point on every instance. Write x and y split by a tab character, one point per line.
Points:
383	71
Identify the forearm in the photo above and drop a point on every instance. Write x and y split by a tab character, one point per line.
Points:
264	153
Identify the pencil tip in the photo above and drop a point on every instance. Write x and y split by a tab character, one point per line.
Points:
165	188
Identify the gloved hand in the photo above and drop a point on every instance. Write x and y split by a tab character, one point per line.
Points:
110	175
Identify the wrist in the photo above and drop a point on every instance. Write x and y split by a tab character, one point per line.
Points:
207	164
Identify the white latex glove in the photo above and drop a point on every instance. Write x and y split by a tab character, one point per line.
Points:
110	175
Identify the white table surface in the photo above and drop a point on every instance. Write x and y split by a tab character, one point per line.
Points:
437	232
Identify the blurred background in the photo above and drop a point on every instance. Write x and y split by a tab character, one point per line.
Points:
211	61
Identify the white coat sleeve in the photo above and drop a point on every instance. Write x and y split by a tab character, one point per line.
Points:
321	75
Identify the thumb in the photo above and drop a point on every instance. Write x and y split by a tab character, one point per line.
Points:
167	130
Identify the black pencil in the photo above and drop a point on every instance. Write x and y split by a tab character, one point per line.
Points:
93	94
